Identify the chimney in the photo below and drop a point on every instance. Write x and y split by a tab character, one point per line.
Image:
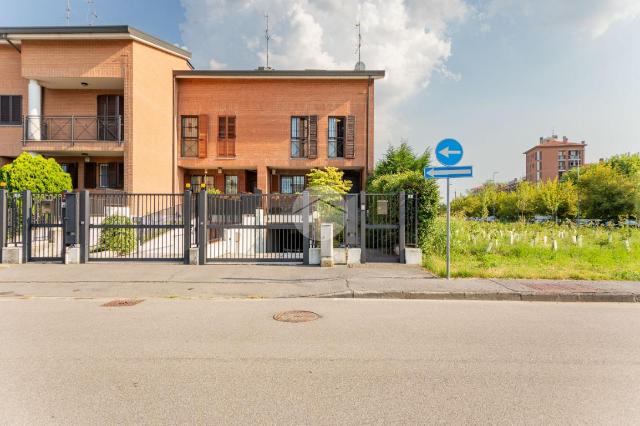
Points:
584	143
541	139
565	139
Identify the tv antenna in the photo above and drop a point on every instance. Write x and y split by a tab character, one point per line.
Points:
359	65
267	37
67	12
91	12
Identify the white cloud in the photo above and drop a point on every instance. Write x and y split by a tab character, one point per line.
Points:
591	17
407	38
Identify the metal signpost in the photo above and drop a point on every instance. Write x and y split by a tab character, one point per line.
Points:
449	153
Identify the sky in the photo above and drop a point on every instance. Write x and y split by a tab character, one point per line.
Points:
494	74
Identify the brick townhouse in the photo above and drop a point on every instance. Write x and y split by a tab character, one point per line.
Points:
123	110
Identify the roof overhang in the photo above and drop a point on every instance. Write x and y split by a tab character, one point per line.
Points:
280	74
112	32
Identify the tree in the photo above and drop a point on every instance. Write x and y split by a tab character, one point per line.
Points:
402	159
607	194
330	178
525	194
35	173
626	164
551	197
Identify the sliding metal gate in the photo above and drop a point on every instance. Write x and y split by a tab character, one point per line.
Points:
139	227
252	227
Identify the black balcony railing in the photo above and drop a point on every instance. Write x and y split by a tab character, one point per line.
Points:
73	128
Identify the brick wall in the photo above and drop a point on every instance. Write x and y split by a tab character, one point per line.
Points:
11	83
263	110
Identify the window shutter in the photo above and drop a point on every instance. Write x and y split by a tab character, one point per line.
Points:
203	135
231	136
350	142
16	109
313	136
222	127
231	125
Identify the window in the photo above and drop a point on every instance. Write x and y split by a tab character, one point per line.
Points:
226	136
231	184
10	110
337	130
299	136
110	175
110	113
209	182
104	176
291	184
560	165
189	135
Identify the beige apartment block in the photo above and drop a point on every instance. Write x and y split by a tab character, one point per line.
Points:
97	99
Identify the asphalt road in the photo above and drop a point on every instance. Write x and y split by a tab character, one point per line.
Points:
69	361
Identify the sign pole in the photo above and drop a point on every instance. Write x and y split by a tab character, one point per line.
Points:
448	234
449	153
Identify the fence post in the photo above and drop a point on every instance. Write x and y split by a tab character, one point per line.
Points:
186	221
305	227
202	227
26	225
3	220
402	214
85	221
363	227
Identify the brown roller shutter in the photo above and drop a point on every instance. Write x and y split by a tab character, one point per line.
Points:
350	142
313	136
203	135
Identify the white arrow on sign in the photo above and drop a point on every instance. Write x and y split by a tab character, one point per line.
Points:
446	152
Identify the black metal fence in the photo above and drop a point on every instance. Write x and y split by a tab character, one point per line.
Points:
244	227
138	227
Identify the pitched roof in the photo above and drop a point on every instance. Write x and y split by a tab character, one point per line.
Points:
114	32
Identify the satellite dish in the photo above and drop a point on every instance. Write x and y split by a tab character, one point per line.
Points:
360	66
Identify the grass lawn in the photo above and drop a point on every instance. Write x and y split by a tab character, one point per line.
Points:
520	250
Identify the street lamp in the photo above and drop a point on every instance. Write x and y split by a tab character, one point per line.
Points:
495	199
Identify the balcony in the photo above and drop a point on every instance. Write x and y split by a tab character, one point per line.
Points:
73	130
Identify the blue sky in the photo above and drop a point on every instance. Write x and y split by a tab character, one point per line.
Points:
496	74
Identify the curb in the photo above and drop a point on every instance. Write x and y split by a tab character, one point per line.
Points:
494	296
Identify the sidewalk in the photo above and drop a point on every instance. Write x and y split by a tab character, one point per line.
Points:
395	281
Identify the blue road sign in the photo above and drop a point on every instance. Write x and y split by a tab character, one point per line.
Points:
449	152
447	172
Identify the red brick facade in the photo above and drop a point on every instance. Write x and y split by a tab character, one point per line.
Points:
152	83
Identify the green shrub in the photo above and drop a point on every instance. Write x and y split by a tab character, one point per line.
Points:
120	240
426	191
35	173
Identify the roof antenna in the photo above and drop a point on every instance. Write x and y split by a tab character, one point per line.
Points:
267	37
359	65
91	12
67	12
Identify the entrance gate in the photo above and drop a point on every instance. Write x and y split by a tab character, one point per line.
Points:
44	233
250	227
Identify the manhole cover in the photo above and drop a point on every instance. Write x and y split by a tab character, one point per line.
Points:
122	303
296	316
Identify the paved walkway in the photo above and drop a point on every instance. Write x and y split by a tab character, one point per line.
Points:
394	281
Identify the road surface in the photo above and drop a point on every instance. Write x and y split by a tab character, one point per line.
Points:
167	361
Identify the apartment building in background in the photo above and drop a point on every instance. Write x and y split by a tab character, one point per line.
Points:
122	110
552	157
